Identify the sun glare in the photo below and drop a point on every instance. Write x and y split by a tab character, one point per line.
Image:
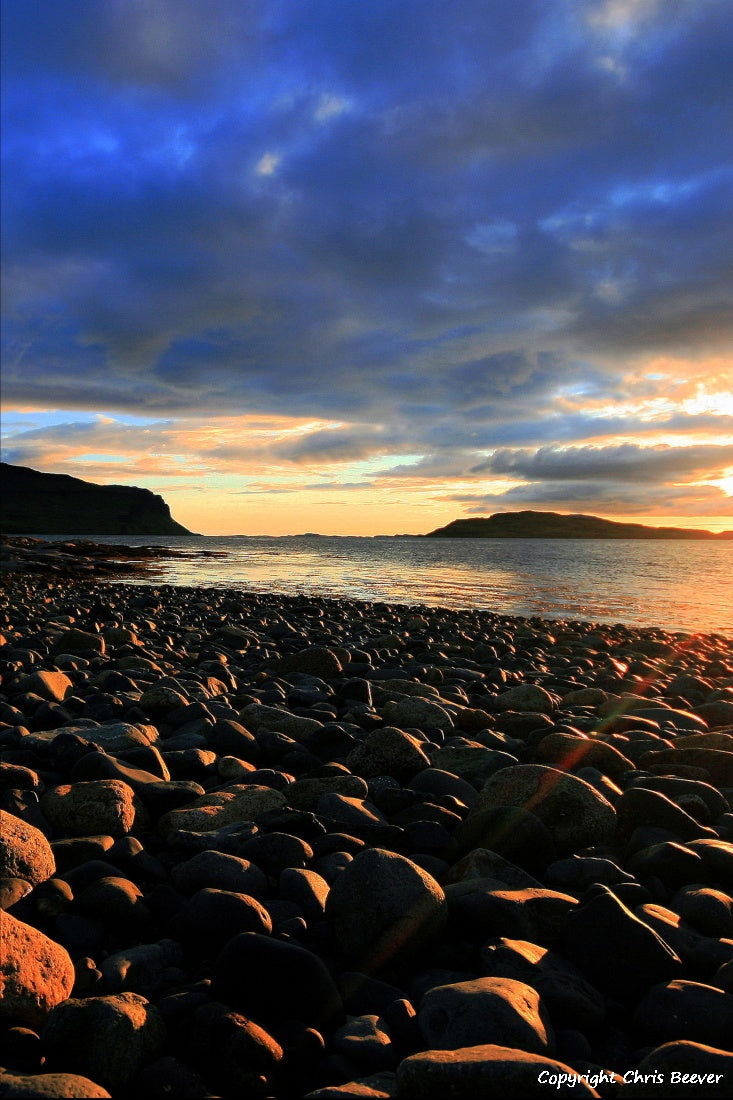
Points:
726	484
719	403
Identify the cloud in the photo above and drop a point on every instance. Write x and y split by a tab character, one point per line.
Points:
627	462
465	229
332	445
595	497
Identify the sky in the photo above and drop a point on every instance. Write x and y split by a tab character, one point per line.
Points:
363	268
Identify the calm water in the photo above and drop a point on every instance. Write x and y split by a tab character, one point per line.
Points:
675	585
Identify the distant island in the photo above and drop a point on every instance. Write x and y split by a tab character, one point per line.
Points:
554	525
34	503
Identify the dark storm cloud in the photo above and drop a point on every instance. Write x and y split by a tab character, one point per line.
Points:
426	215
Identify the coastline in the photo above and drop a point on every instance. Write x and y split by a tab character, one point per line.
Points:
297	832
637	583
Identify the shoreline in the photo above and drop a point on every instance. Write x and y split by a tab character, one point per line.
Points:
84	559
308	841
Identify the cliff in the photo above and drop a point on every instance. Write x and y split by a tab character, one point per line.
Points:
35	503
553	525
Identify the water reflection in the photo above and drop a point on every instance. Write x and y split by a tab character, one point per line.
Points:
676	585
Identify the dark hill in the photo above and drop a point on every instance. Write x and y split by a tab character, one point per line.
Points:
553	525
34	503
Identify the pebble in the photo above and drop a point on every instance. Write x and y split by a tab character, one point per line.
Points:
254	845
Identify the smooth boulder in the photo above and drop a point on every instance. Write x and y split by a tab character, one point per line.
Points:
383	908
36	973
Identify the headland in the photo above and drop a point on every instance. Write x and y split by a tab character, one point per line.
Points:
557	525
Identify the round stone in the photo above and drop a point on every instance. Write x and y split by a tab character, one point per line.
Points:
383	907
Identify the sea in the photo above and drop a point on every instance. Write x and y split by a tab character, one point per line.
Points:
677	585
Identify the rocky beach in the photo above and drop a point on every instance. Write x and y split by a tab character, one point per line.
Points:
263	846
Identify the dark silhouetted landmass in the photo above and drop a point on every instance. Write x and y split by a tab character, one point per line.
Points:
553	525
35	503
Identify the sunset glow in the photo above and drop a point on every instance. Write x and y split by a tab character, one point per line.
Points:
367	268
